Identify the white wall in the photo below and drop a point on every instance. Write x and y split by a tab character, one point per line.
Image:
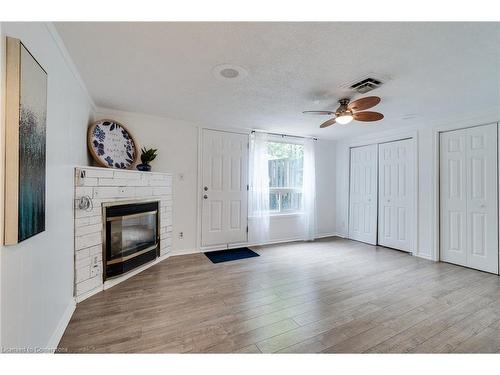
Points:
426	135
177	142
325	187
37	274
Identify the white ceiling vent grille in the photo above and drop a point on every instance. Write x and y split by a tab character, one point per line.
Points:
366	85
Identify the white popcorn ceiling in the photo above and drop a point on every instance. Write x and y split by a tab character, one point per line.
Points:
433	71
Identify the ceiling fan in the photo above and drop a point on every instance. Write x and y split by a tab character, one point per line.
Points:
348	111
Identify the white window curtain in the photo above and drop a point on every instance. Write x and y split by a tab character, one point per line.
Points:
259	187
309	190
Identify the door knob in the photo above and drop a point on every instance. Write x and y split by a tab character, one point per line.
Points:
205	188
205	196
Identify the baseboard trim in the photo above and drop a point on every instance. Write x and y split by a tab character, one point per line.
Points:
325	235
273	242
88	294
61	326
425	256
185	252
276	242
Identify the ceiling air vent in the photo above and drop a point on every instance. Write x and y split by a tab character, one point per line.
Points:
366	85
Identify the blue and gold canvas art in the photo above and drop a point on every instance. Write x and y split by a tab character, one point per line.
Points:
26	144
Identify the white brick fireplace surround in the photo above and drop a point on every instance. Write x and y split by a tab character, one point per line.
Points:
105	185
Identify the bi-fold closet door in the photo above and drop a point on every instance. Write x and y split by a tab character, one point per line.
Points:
381	194
396	191
363	194
469	197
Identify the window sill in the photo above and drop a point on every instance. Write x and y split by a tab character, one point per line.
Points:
281	215
286	214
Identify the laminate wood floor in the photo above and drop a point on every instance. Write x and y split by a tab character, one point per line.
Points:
329	296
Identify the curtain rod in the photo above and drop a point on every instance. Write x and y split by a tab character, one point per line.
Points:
285	135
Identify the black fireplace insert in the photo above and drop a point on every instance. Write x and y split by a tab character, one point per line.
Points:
131	236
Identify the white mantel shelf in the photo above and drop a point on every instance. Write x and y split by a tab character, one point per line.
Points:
105	185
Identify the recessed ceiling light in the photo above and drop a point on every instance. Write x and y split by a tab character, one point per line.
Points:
229	72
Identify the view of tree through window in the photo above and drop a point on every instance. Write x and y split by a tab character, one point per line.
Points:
286	162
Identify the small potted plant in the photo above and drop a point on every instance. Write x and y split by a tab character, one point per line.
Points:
147	156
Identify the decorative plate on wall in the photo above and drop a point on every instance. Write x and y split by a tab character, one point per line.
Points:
111	145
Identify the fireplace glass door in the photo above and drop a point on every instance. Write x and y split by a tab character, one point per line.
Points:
131	236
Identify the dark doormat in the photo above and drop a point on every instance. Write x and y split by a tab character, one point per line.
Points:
229	255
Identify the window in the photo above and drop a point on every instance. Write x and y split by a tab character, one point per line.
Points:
286	162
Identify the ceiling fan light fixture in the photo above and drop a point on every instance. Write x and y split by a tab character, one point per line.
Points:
348	111
344	118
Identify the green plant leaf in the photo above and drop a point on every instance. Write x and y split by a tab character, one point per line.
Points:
148	155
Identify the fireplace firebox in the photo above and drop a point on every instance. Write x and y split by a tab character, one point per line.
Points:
131	236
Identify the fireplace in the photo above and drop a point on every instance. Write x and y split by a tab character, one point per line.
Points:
131	236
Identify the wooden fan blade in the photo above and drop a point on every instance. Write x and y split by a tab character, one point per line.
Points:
328	123
318	113
363	103
368	116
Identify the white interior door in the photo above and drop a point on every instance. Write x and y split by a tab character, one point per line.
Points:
363	194
468	197
224	188
453	197
395	210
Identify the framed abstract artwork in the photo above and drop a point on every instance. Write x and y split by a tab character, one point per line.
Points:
111	145
25	144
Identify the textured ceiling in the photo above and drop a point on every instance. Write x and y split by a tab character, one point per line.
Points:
432	71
